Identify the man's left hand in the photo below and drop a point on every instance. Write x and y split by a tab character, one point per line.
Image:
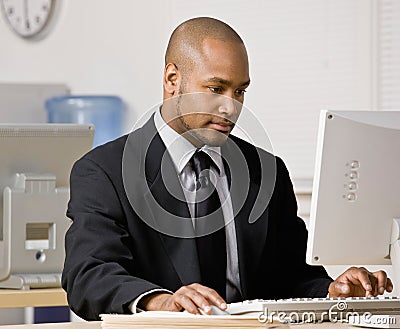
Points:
359	282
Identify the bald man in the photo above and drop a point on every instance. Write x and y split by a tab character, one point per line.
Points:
134	241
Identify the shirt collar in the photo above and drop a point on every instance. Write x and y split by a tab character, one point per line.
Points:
180	149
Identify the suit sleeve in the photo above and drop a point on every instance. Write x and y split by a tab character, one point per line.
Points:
299	278
98	270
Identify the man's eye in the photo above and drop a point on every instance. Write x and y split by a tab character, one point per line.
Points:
240	92
216	90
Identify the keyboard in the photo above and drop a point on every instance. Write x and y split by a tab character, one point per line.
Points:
353	310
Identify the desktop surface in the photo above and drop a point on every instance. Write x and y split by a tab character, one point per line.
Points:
64	325
11	298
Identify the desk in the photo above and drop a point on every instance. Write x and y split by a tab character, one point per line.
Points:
97	325
69	325
32	298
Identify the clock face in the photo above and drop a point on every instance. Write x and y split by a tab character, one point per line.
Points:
28	17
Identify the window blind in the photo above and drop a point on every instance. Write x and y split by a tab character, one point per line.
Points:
389	54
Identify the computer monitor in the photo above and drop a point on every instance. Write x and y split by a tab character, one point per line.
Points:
35	165
355	208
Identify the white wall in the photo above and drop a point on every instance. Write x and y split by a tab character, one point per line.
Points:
95	47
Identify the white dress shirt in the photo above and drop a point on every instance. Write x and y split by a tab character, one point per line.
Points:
181	151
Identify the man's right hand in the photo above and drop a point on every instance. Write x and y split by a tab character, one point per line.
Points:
189	298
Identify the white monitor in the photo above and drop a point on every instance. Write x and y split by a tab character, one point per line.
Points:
35	165
355	209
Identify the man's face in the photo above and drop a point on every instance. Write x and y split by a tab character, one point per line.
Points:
212	93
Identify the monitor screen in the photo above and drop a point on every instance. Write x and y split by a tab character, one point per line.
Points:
356	188
43	155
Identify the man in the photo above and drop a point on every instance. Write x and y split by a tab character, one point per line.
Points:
137	239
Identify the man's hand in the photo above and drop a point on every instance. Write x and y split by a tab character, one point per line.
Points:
189	298
359	282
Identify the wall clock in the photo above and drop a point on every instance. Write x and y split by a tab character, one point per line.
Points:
29	18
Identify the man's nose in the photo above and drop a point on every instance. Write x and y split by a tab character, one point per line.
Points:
227	106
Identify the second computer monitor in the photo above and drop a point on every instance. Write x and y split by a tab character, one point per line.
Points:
36	161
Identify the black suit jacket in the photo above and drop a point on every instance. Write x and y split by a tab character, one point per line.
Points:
113	256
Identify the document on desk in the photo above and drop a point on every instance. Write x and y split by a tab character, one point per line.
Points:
167	320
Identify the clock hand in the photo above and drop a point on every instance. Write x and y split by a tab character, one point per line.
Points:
27	24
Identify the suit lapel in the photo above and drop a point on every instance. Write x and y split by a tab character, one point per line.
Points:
167	204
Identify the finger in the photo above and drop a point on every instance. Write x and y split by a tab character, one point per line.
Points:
374	283
389	285
381	278
199	299
212	296
339	289
182	299
361	275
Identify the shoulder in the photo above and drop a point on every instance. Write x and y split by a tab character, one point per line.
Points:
250	150
256	156
109	152
109	158
100	165
110	155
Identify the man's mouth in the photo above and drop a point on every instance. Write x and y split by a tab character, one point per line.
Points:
224	126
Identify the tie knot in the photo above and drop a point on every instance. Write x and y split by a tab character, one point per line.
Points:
200	162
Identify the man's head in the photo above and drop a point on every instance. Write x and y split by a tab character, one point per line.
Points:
206	56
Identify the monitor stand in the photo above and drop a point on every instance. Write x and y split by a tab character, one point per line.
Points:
34	225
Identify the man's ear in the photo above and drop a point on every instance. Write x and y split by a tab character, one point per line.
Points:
172	79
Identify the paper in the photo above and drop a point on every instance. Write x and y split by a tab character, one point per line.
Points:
159	319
